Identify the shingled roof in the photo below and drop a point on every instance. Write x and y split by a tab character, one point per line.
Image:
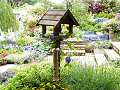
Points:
56	17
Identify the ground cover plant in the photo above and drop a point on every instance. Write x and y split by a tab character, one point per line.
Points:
72	77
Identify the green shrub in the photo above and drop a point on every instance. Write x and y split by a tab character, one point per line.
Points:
105	15
73	76
101	78
3	42
30	77
100	45
38	9
41	49
116	9
24	40
7	18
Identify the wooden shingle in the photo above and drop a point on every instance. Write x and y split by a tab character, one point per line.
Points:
56	17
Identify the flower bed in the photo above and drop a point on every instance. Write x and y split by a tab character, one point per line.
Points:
95	37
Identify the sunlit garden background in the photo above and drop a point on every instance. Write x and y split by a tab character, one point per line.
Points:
89	57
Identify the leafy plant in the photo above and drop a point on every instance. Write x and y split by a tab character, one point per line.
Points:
96	7
24	40
3	42
117	36
30	1
101	44
41	48
7	18
79	78
21	41
109	3
72	76
116	9
34	76
105	15
38	9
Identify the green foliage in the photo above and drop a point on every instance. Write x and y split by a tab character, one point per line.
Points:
100	78
3	42
117	36
109	3
7	18
80	11
73	77
38	9
31	24
21	41
58	6
45	3
116	64
30	1
81	14
101	44
68	4
105	15
31	77
87	25
41	48
105	2
116	9
24	40
34	12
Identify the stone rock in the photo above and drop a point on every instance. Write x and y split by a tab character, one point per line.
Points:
6	75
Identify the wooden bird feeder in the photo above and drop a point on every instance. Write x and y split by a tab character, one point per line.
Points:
55	18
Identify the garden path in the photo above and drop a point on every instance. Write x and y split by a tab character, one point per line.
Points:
97	58
6	67
116	46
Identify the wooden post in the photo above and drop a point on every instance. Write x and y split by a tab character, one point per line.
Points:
70	28
111	34
56	54
43	29
57	30
60	29
56	62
